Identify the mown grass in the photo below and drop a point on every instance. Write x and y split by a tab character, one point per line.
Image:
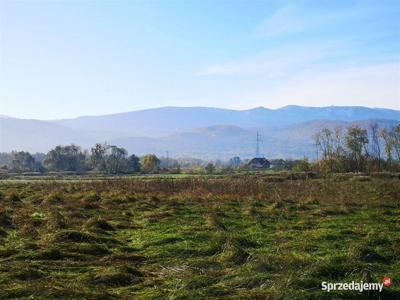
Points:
227	237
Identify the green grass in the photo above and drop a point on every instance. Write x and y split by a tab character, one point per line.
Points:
225	237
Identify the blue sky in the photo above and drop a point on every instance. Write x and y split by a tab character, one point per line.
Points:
69	58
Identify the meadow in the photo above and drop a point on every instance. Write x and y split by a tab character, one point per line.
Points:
249	236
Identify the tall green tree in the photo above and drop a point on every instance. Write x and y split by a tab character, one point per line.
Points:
109	159
133	164
65	158
22	162
116	161
209	168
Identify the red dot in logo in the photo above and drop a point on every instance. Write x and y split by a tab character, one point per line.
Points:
387	281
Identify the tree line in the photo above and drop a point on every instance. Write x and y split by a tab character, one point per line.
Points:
358	149
104	158
338	150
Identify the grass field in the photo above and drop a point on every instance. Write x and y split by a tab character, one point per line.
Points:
226	237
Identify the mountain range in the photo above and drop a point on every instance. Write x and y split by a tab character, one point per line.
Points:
202	132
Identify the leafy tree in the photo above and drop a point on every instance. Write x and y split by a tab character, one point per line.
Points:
65	158
109	159
209	168
5	159
39	158
133	164
302	166
116	161
98	157
22	162
150	163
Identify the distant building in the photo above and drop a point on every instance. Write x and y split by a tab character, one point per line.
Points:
259	163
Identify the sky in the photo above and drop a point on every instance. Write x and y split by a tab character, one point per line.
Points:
63	59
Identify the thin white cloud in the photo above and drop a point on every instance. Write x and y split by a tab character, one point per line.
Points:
278	62
294	19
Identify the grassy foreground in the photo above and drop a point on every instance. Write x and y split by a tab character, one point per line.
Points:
246	237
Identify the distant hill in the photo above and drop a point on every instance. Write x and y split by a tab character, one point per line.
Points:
37	136
225	141
168	120
194	131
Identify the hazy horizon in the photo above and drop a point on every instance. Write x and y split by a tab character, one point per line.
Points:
66	59
211	107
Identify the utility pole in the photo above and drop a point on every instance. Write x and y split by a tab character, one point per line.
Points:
167	159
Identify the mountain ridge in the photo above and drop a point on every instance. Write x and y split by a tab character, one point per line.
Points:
201	131
286	107
295	141
169	120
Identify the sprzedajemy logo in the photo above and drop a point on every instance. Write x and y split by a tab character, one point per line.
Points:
356	286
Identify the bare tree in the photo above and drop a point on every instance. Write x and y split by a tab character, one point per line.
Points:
356	141
338	148
396	140
324	142
388	138
375	150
